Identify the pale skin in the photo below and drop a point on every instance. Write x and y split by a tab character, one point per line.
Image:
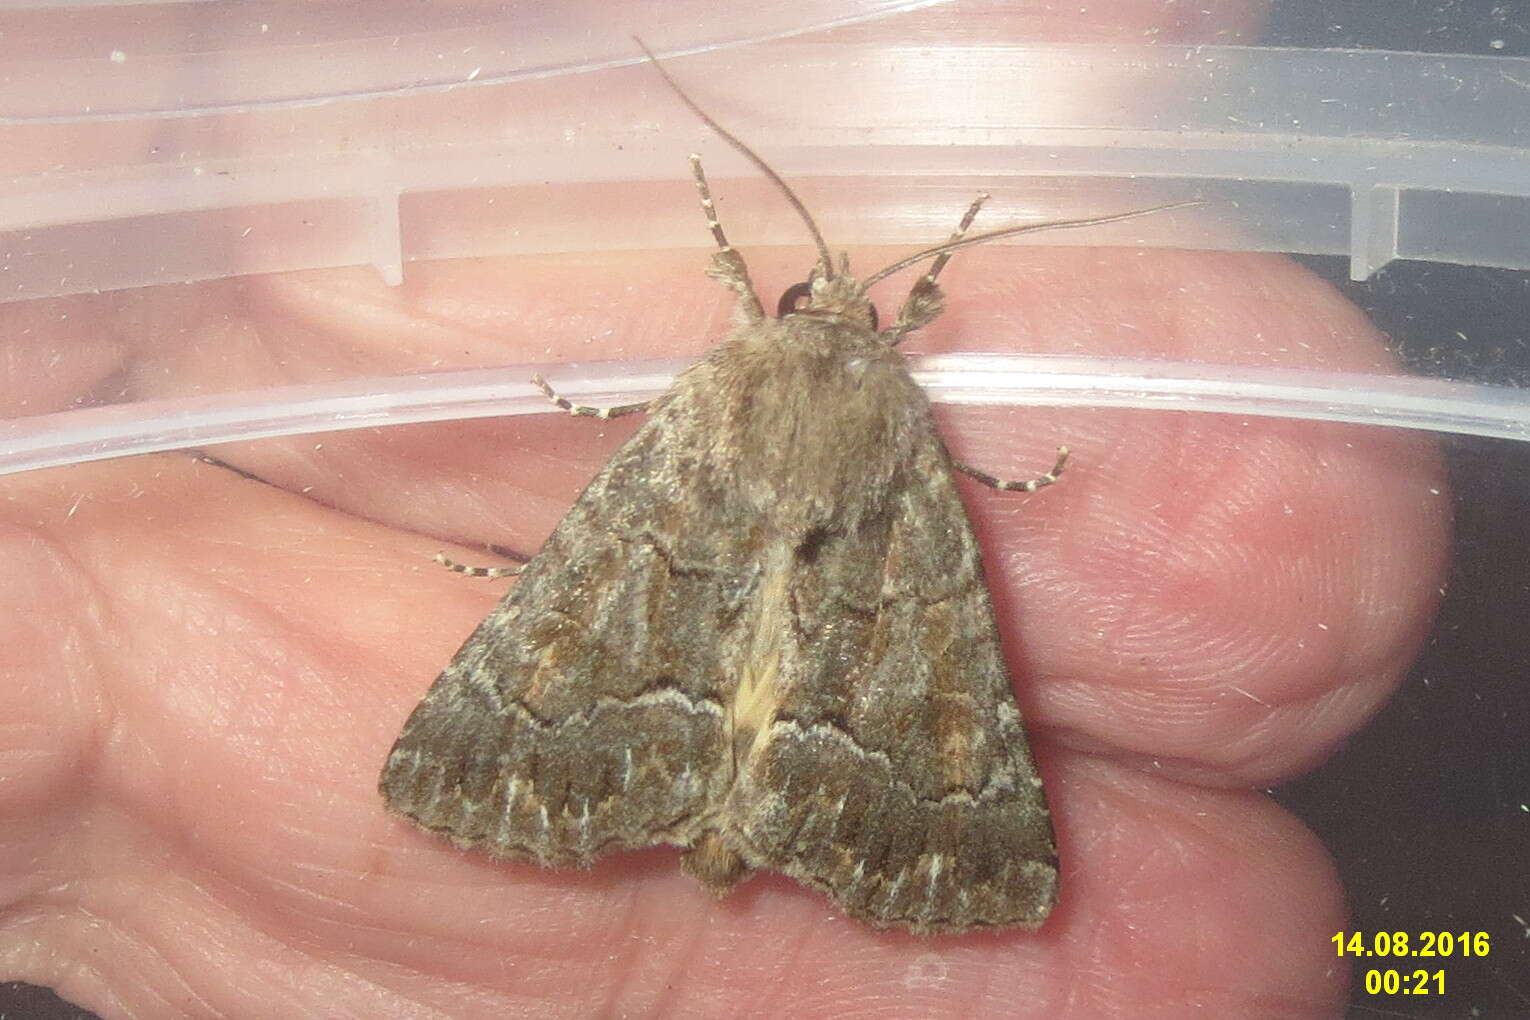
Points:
203	672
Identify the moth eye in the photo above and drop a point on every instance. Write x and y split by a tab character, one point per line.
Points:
792	300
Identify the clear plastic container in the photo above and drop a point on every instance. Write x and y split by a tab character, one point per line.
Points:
195	194
182	157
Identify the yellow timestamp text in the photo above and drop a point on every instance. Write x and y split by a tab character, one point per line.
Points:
1416	945
1404	982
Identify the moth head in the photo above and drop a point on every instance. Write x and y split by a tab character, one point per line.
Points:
839	296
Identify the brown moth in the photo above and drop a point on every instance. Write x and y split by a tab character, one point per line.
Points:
761	634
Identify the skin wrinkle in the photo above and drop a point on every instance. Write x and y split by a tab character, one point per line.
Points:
626	951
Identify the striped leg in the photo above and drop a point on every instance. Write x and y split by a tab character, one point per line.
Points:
1029	485
923	303
584	410
727	265
462	568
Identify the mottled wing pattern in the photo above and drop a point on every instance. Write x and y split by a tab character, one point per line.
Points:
896	776
579	718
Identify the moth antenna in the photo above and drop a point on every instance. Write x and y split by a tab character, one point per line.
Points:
749	154
1024	228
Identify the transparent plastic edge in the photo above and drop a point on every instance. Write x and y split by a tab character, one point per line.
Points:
1407	191
1394	401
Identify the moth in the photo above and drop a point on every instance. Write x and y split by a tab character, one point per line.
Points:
761	634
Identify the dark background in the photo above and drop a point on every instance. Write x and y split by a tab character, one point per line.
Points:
1426	810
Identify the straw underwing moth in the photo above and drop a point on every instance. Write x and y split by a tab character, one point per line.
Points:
761	634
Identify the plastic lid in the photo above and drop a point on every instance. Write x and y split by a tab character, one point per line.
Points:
177	143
